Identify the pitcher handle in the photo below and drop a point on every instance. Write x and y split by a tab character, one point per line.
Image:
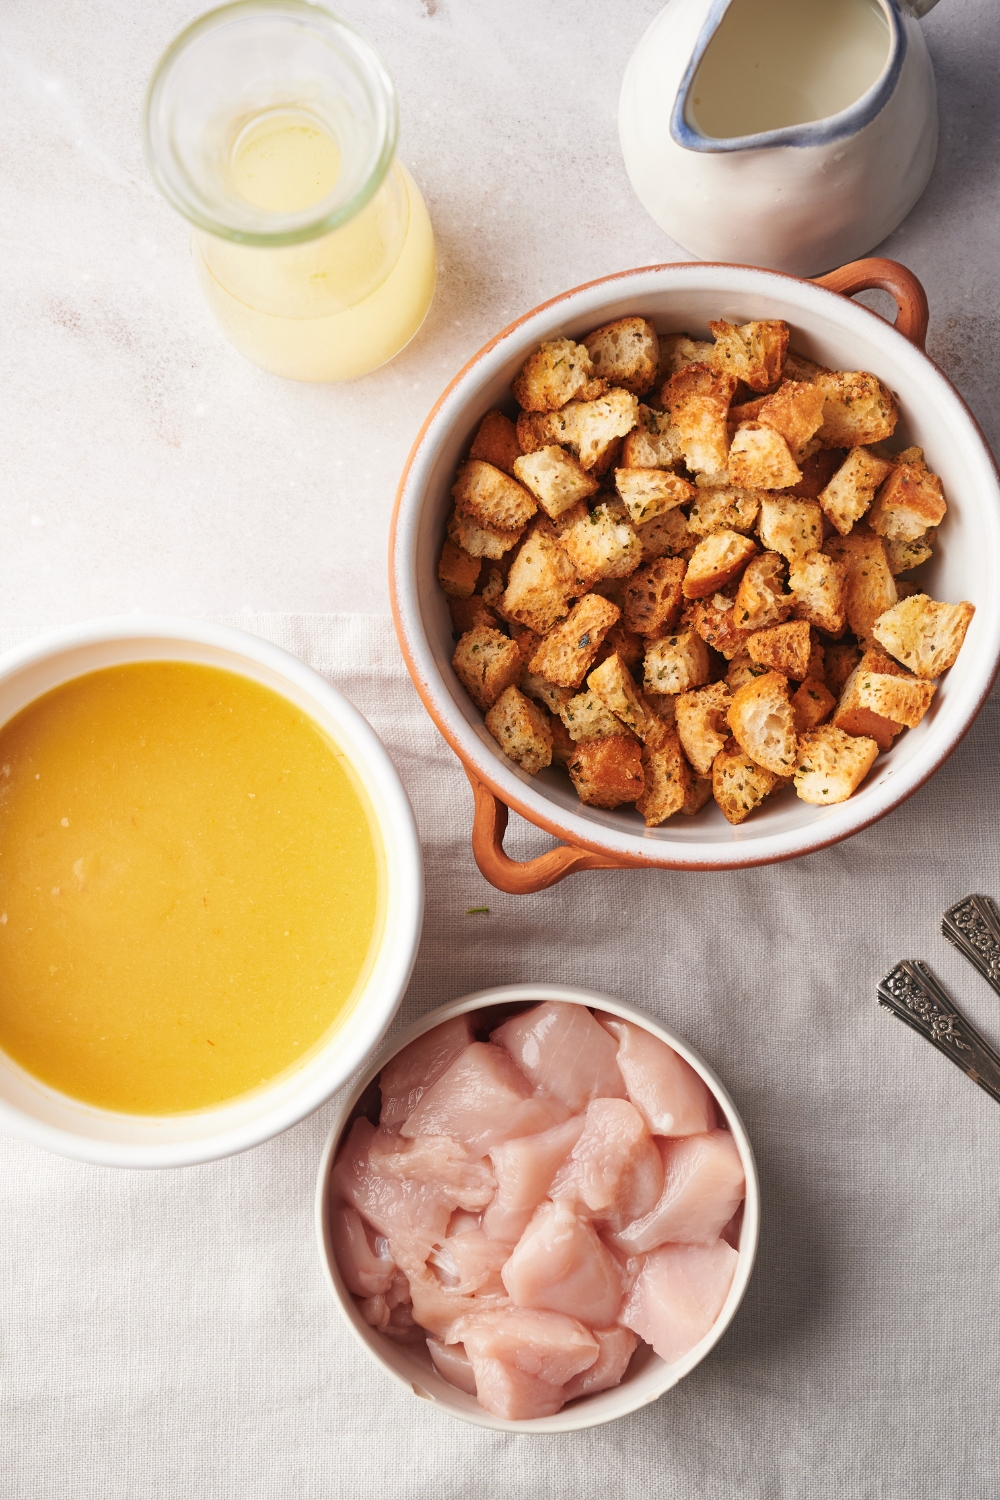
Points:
888	276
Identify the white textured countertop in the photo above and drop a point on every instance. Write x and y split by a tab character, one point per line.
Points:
147	466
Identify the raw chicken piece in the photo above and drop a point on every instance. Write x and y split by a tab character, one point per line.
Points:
481	1100
437	1308
406	1077
452	1364
366	1272
560	1264
412	1216
615	1348
564	1052
470	1262
678	1296
436	1161
703	1187
402	1326
524	1168
665	1089
522	1359
615	1169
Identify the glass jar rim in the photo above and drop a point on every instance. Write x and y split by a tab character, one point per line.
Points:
176	184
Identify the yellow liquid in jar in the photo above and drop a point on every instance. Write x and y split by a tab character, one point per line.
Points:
190	887
284	163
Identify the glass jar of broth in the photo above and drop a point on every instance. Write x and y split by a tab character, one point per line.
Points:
271	126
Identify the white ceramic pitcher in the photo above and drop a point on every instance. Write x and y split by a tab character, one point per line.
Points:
800	198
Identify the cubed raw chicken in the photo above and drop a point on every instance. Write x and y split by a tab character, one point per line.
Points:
703	1187
560	1264
437	1161
564	1052
413	1216
678	1296
523	1358
615	1348
367	1272
406	1077
437	1307
666	1090
469	1262
453	1364
481	1100
524	1168
615	1170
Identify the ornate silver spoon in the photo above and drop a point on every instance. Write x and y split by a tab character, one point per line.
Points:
912	993
973	925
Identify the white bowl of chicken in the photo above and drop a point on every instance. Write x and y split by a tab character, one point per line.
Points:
538	1209
694	567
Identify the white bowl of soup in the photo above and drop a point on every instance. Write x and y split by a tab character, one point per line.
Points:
210	891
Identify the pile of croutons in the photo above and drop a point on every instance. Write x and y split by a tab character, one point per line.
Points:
682	572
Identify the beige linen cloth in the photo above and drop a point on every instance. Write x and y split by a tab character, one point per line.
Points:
170	1335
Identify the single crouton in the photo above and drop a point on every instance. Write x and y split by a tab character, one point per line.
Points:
753	352
697	399
667	780
716	560
739	784
859	409
790	526
522	730
601	542
714	619
726	509
924	635
831	764
492	586
486	663
679	349
496	442
592	390
653	596
479	541
700	793
743	669
854	717
653	443
587	717
852	489
904	700
590	429
761	718
566	653
651	492
675	663
491	497
902	556
555	478
702	724
625	353
607	772
543	691
759	459
910	501
838	664
458	573
541	582
797	367
613	684
535	430
527	641
818	588
666	535
552	376
811	704
783	648
761	599
626	643
466	614
817	471
563	748
795	411
870	589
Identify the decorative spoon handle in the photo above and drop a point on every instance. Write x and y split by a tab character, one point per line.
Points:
973	925
912	993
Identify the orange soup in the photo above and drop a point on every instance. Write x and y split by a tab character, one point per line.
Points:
190	887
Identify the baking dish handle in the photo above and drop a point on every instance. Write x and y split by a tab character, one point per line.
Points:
522	877
887	276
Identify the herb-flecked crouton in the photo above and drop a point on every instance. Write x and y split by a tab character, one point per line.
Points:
743	669
601	542
629	646
675	663
739	784
859	409
653	443
726	509
797	367
698	796
647	493
667	780
480	541
790	526
811	704
466	614
496	442
854	717
679	349
759	459
555	478
492	497
541	581
762	720
784	648
817	470
818	588
924	635
527	641
486	663
831	765
625	353
697	399
902	556
761	599
543	691
653	596
607	772
902	699
716	560
458	573
910	501
795	411
563	748
753	352
552	376
870	588
667	535
587	428
702	724
838	665
522	730
852	489
567	651
714	619
613	684
587	717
